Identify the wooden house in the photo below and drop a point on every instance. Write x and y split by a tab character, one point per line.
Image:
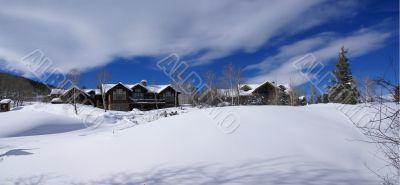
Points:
120	96
5	105
253	94
140	95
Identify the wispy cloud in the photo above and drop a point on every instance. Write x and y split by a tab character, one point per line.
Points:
324	47
87	34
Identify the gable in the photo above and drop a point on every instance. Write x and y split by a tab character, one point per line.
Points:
139	87
166	89
265	87
118	86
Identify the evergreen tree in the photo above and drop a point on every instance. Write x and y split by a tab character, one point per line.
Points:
325	98
397	94
284	97
302	100
319	99
343	89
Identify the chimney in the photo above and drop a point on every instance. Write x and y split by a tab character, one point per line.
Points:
143	82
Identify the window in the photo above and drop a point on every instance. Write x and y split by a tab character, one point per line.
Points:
168	95
137	94
119	94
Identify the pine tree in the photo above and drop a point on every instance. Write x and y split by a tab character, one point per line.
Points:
343	89
284	98
325	98
302	100
319	99
397	94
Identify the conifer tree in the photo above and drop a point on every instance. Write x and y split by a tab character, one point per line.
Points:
319	99
397	94
283	96
343	89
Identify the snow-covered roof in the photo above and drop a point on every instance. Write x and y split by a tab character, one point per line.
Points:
250	88
57	91
96	91
56	100
5	101
157	88
75	87
150	88
107	87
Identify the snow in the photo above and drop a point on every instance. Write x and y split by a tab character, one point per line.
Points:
57	91
5	101
150	88
273	145
56	100
96	91
23	123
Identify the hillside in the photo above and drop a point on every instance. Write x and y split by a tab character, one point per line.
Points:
12	86
273	145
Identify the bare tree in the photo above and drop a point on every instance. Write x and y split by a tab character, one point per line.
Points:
74	76
313	96
369	89
210	80
232	76
237	80
103	77
383	129
228	75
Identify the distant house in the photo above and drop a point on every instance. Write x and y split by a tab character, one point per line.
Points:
76	94
5	105
120	96
262	93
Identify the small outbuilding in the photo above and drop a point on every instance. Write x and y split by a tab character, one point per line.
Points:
5	105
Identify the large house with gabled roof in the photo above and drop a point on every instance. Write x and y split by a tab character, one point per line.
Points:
121	96
261	93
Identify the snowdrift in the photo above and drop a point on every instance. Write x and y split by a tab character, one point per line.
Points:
273	145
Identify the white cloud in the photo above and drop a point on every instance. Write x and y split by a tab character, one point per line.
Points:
324	47
87	34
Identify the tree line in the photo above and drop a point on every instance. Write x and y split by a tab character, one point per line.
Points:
21	89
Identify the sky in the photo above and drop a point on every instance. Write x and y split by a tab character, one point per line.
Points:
265	38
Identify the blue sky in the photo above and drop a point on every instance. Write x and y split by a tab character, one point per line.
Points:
262	37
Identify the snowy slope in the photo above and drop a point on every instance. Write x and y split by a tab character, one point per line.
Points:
273	145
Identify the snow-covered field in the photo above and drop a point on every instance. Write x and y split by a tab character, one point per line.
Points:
49	144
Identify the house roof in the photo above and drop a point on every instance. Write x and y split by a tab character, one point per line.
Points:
96	91
5	101
158	88
150	88
107	87
251	86
56	100
57	91
75	87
